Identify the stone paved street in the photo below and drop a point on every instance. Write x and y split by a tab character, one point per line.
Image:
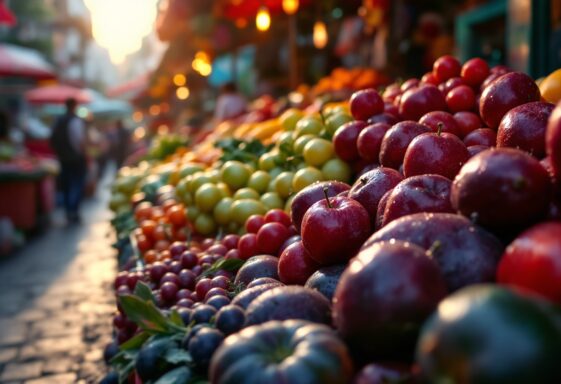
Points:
56	302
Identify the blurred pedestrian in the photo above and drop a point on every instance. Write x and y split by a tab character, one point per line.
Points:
230	103
68	140
120	143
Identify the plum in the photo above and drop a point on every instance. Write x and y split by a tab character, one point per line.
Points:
395	142
384	296
256	267
466	254
325	280
553	143
247	296
524	128
289	302
502	189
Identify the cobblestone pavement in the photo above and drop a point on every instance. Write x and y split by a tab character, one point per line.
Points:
56	302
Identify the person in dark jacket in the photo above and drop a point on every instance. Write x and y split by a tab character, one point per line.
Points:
68	141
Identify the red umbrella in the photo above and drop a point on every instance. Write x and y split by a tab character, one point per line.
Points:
6	16
57	94
25	62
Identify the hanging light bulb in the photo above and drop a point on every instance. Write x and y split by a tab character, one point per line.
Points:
320	35
263	19
290	7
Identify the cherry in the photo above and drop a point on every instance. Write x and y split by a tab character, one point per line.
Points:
230	241
121	279
217	301
217	249
202	287
220	282
440	120
232	254
168	291
248	246
171	278
386	117
187	279
183	294
450	84
185	303
409	84
175	266
189	259
177	248
215	292
158	271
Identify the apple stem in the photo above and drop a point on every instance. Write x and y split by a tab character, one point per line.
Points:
325	190
439	129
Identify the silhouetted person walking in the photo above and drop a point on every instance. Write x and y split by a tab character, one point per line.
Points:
68	140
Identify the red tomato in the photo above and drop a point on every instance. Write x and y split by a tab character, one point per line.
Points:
270	238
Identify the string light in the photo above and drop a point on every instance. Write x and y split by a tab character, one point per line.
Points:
182	93
263	19
179	79
137	116
290	7
201	63
320	35
154	110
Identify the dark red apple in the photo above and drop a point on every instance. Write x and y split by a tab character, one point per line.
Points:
466	254
435	153
416	102
460	98
345	138
503	94
425	193
333	229
296	265
475	71
381	209
370	140
383	297
256	267
502	189
370	187
481	136
429	78
365	104
467	122
386	117
395	142
533	261
475	149
392	110
442	120
553	142
325	280
312	194
409	84
450	84
391	92
524	128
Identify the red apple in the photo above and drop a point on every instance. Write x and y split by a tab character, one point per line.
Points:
446	67
467	122
247	246
345	138
533	261
391	92
296	265
385	117
369	188
365	104
450	84
429	78
370	140
475	71
441	120
481	136
416	102
502	189
425	193
334	228
435	153
553	142
395	142
475	149
503	94
312	194
409	84
461	98
270	238
524	128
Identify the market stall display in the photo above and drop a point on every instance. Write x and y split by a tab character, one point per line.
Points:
385	238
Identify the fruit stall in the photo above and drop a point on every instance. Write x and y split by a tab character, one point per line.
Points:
407	234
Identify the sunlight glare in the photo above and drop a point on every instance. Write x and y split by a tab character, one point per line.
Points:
120	25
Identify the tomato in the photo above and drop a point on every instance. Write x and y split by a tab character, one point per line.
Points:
143	211
160	233
317	151
148	228
254	223
176	215
270	238
489	334
259	354
143	243
247	246
278	216
550	87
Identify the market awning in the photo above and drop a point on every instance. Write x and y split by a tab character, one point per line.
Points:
57	94
24	62
6	16
130	89
248	8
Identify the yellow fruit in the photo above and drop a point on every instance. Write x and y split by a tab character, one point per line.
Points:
207	196
308	125
204	224
305	177
246	193
235	174
289	118
336	169
224	189
192	213
301	142
317	151
272	200
288	204
259	181
222	211
197	180
550	87
283	184
242	209
267	161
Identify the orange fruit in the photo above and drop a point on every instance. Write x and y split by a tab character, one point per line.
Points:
550	87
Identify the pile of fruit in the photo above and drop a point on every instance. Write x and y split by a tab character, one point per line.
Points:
407	236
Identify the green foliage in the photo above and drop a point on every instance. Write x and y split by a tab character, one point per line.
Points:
240	150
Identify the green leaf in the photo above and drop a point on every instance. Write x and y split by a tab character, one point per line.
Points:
144	313
181	375
143	291
135	342
177	356
176	319
222	264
